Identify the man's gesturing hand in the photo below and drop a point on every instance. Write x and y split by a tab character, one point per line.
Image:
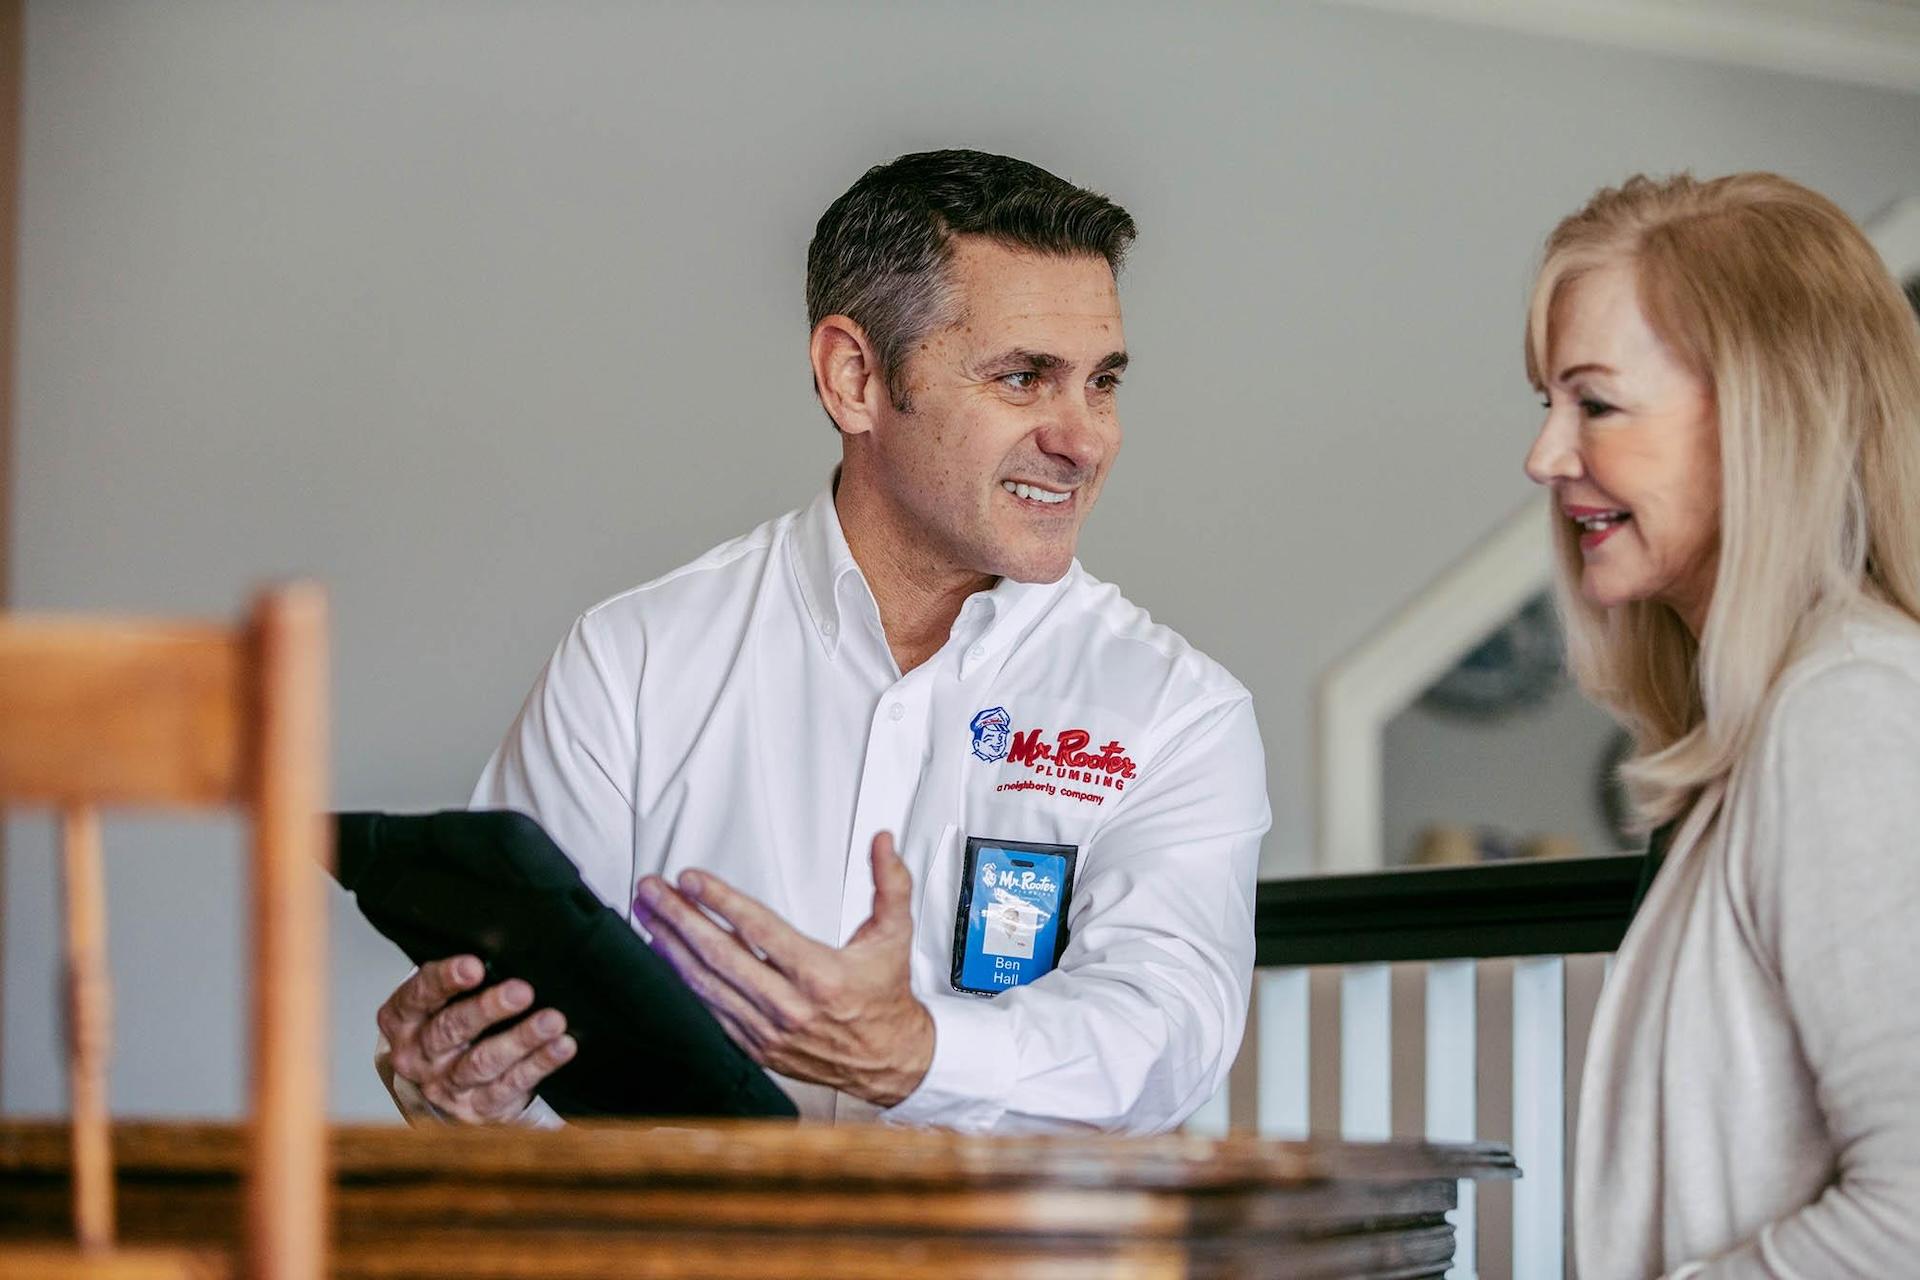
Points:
430	1034
844	1017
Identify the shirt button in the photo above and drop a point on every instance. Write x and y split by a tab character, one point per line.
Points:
827	629
978	651
896	712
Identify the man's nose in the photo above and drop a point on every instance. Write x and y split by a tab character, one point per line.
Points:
1079	433
1555	454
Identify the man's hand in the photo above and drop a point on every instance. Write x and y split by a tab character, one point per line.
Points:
430	1034
844	1017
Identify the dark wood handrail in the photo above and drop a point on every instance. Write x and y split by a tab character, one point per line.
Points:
703	1200
1561	906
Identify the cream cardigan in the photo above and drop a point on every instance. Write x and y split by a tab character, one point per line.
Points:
1751	1105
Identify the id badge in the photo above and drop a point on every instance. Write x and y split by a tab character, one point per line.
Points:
1012	923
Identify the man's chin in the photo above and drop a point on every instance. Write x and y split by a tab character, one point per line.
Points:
1042	568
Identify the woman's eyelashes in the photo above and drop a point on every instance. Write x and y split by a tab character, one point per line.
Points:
1590	406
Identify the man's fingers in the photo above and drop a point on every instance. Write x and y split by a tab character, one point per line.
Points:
508	1096
892	914
763	930
892	885
740	1035
448	1104
493	1057
753	995
459	1023
436	983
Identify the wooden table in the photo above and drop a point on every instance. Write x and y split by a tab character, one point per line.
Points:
794	1203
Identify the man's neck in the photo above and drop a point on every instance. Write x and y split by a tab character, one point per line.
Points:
918	595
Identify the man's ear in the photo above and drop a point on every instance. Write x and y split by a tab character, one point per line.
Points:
847	374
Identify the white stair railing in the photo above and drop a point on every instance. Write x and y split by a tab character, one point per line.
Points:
1528	917
1452	1083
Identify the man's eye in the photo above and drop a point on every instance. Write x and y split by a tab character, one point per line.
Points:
1021	379
1107	382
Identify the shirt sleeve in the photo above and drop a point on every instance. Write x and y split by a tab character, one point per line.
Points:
1836	896
568	759
1141	1021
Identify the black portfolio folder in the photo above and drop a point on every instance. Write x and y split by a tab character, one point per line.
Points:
494	884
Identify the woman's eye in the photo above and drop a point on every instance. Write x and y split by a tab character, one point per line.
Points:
1595	408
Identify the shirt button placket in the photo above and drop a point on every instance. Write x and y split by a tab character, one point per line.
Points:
888	782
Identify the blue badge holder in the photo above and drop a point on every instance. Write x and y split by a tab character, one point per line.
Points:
1012	931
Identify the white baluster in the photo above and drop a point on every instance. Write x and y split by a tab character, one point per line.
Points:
1539	1116
1211	1120
1284	1052
1452	991
1366	1052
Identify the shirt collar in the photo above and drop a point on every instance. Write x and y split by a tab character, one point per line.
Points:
825	563
1000	613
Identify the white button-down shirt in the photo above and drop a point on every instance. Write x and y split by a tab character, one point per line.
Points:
743	714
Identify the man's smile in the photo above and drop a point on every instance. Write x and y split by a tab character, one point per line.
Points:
1033	495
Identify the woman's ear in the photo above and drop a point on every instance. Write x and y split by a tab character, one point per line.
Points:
846	375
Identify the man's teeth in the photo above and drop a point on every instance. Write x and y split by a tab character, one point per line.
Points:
1036	495
1594	524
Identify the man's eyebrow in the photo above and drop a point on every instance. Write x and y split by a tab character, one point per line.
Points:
1021	358
1047	362
1574	371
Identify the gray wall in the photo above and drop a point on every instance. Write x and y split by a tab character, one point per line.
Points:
481	312
1533	772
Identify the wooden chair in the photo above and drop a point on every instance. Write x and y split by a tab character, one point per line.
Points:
100	714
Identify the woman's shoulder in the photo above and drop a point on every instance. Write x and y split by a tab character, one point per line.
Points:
1879	633
1847	706
1831	786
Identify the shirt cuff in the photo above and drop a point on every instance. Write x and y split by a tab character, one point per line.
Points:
539	1115
970	1081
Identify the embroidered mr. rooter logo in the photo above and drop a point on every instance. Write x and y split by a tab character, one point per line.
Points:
1068	759
1064	759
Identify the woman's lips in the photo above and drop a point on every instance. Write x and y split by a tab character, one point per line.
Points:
1588	541
1596	524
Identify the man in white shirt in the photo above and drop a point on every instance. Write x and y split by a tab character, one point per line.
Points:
792	761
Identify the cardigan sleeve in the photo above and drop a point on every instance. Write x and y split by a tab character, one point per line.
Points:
1835	897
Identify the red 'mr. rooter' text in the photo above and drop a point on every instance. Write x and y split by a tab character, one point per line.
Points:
1067	757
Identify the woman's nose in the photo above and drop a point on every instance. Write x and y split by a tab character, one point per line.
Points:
1554	455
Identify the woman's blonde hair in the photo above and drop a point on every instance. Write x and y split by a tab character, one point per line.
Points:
1777	301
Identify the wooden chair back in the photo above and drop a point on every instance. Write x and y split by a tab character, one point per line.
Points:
97	714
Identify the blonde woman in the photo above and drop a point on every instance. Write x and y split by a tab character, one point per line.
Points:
1732	438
